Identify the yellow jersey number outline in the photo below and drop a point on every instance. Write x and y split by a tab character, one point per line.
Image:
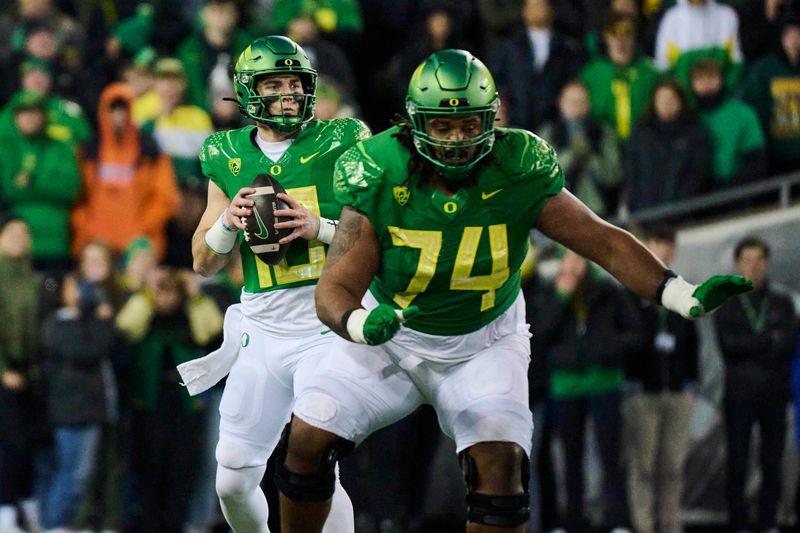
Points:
282	273
430	244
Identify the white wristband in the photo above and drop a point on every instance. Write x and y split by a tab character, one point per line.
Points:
220	238
677	296
327	229
355	325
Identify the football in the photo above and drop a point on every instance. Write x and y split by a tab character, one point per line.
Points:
260	233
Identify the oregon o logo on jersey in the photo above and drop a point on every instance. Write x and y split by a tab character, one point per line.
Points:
450	207
235	165
275	170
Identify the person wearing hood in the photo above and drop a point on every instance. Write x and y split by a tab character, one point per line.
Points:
772	90
65	118
737	140
697	29
130	187
39	180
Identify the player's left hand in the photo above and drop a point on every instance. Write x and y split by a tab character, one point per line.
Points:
715	290
304	223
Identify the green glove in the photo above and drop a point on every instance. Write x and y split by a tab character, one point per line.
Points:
715	290
379	325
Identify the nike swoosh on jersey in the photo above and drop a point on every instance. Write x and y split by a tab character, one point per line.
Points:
304	160
487	195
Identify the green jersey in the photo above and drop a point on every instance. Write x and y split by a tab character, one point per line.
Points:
456	257
231	159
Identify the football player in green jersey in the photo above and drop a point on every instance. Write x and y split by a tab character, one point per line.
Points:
433	233
282	339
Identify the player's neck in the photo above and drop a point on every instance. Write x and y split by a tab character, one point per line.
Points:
448	187
272	136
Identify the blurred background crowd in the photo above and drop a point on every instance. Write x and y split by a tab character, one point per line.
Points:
665	114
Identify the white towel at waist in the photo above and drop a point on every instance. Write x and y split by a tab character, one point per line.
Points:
199	375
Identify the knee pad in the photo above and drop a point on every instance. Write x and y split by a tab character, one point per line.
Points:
318	486
236	484
236	454
502	511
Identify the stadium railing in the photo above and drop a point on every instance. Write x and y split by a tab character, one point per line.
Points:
784	187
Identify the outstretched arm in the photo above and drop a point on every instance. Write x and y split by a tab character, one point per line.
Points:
565	219
353	260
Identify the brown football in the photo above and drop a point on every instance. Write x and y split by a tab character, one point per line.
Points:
260	233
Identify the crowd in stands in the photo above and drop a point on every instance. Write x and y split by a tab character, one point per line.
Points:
104	106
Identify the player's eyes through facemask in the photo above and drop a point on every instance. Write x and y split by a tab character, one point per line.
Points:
298	99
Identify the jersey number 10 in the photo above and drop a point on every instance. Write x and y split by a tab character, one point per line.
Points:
285	274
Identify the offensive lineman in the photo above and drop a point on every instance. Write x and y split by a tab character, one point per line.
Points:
436	221
282	339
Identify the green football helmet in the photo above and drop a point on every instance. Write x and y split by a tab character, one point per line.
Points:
274	54
452	83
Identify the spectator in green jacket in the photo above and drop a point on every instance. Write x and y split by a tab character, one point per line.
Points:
621	82
39	179
332	16
207	55
738	152
65	118
773	89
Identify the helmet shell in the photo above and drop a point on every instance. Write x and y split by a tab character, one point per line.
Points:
452	83
274	54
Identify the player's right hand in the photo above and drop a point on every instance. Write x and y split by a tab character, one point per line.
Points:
240	207
379	325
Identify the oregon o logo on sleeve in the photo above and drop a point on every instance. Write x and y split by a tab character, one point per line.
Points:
450	207
275	170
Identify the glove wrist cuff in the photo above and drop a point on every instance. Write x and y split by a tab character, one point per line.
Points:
668	275
353	322
678	296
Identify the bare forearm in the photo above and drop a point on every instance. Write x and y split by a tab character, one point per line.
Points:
566	220
333	301
353	259
632	263
206	262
